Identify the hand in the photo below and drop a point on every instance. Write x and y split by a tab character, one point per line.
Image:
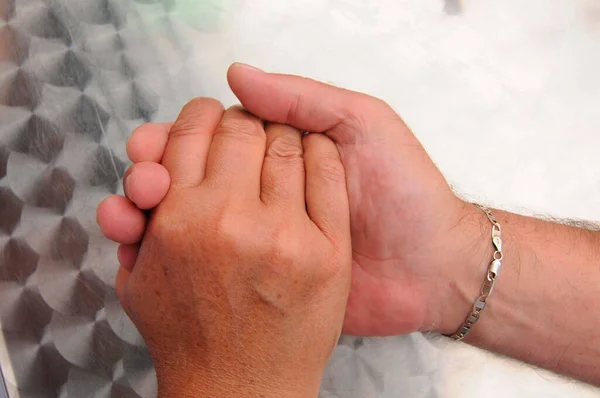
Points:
413	240
242	277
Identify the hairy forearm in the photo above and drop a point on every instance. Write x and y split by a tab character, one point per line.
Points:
544	308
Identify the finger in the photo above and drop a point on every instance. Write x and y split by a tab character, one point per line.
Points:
120	286
147	143
312	106
189	141
282	180
326	194
120	220
127	256
237	153
146	184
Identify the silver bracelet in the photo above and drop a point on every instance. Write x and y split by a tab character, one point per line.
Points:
490	278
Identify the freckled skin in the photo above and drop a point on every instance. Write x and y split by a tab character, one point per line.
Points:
239	289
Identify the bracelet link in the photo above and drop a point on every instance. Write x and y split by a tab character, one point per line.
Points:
490	279
497	241
495	267
487	288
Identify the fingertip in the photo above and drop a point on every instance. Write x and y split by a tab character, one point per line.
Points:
120	220
146	184
127	256
242	79
148	142
238	69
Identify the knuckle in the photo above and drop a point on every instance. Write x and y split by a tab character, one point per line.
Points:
291	252
374	106
377	102
225	229
369	103
361	115
202	104
166	227
285	147
241	127
161	228
188	121
284	248
183	126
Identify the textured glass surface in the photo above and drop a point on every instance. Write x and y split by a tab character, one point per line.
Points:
75	78
509	84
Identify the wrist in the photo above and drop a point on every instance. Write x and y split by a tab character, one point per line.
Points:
469	268
471	252
194	381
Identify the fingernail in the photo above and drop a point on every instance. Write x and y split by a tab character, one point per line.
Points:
246	66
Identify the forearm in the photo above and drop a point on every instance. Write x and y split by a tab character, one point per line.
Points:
544	308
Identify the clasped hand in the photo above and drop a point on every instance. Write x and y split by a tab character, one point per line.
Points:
248	254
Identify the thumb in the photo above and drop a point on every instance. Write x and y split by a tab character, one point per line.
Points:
346	116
